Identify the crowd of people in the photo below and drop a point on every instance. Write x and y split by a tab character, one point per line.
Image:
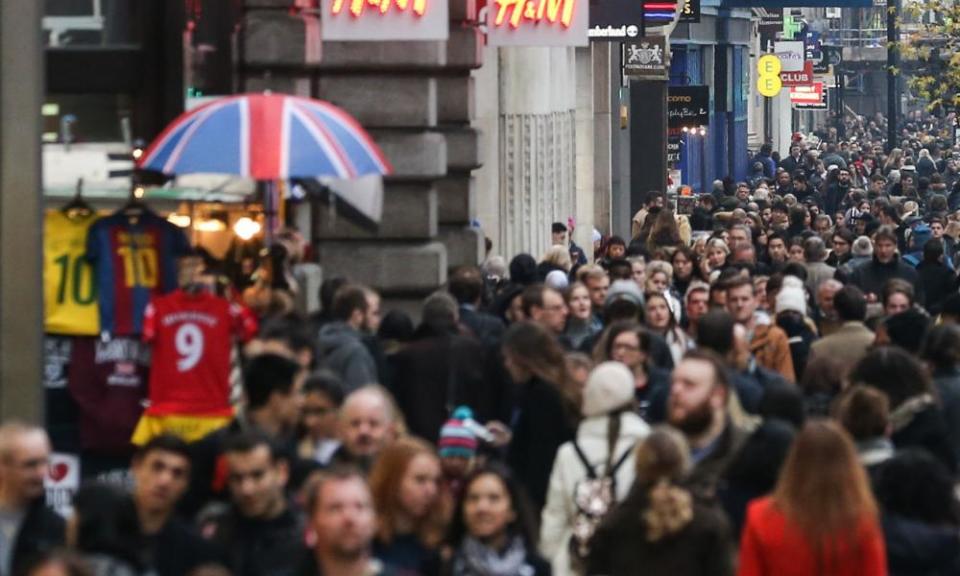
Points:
769	385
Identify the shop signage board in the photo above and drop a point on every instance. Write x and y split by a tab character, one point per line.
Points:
689	11
791	55
646	57
812	97
615	20
688	106
537	22
802	78
768	4
673	149
380	20
768	75
813	47
770	28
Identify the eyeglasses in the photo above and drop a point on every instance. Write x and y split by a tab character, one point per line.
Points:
626	347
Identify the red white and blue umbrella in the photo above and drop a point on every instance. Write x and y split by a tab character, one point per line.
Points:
266	137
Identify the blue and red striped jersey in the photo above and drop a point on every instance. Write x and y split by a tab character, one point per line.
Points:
135	259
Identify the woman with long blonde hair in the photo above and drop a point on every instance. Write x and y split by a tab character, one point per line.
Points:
821	518
411	511
661	529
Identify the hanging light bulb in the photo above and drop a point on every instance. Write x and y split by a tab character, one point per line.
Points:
180	220
246	228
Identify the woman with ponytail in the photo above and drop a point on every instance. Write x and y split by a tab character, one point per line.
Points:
660	530
593	472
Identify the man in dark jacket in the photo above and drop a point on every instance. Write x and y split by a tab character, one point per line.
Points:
442	369
837	192
763	157
161	472
27	526
871	276
261	532
466	286
356	311
938	280
271	386
794	161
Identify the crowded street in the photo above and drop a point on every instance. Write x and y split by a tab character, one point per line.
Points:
479	288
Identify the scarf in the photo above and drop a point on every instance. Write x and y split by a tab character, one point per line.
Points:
903	416
477	559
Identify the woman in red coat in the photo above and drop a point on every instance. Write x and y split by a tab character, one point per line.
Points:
821	518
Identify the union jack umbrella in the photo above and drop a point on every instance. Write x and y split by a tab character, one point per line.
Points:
266	137
274	137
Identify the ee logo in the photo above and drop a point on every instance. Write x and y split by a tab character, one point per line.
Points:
768	83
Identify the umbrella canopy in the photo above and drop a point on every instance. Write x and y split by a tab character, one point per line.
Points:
266	137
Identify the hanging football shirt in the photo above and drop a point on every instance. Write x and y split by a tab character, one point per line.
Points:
135	259
192	336
69	290
108	380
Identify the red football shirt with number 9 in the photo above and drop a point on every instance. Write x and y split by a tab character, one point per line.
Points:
193	337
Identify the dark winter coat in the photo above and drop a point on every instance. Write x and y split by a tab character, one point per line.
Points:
620	546
922	425
436	373
871	277
947	383
258	547
542	424
342	350
918	549
938	282
42	530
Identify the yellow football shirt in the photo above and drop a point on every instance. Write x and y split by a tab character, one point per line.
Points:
69	286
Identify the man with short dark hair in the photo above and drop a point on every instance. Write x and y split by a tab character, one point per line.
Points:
776	251
466	286
27	526
343	522
356	311
161	474
886	264
546	307
272	387
261	531
848	343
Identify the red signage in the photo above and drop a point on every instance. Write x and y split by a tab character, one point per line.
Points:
802	78
536	11
810	97
357	7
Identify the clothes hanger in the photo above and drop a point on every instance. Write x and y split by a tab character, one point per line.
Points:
78	207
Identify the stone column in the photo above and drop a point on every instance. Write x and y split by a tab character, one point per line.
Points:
21	227
537	149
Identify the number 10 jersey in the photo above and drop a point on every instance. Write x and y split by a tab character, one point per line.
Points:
192	337
69	290
135	259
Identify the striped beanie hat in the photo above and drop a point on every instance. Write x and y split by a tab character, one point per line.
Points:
456	438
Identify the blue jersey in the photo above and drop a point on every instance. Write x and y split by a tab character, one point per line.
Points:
134	258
